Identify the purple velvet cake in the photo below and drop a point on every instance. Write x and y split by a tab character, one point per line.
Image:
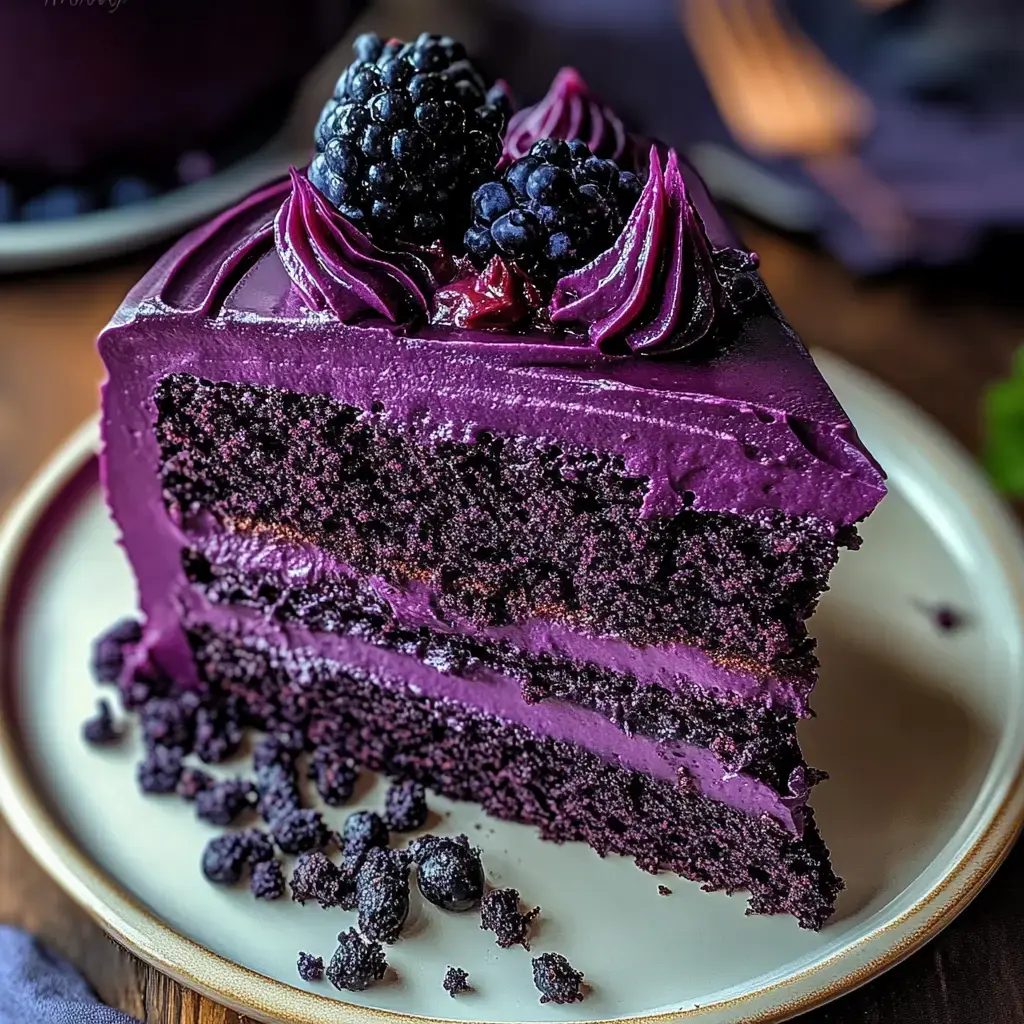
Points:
487	459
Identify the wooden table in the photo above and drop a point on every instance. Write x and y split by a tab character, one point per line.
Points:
939	340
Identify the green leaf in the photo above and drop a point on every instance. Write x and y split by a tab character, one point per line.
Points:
1003	412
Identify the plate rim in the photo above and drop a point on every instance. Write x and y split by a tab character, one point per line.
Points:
234	985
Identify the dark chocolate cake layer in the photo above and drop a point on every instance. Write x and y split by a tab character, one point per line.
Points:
758	739
564	789
502	529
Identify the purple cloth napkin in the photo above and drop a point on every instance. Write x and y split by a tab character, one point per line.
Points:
945	77
37	987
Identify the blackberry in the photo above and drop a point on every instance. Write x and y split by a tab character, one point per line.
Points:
409	133
499	913
267	881
108	649
311	968
382	894
405	807
456	980
449	874
552	211
356	963
100	730
556	980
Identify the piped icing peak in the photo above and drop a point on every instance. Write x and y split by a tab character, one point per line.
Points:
655	288
338	268
568	111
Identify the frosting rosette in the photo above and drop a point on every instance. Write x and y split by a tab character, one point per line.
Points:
337	267
655	289
568	111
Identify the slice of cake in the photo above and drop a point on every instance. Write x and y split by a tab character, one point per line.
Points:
510	481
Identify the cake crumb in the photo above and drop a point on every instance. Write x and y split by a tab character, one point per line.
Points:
317	878
405	807
382	894
456	980
356	963
499	913
311	968
193	781
296	830
334	775
222	802
160	770
267	882
108	649
664	890
362	831
945	617
556	980
100	730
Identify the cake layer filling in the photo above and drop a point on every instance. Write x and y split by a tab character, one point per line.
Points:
300	582
492	693
549	776
750	737
501	529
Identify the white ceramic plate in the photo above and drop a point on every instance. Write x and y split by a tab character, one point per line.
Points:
923	732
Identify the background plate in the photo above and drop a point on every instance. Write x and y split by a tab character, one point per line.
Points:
922	731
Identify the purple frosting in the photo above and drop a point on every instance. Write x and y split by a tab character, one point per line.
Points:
336	267
655	287
569	111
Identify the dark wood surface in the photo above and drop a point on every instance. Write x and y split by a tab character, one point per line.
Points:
938	339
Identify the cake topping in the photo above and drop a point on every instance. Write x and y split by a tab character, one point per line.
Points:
225	858
410	131
569	111
160	770
499	296
654	289
356	963
552	211
335	266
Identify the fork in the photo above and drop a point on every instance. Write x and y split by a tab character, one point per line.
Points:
781	97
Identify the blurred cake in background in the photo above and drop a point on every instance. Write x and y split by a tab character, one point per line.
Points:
109	102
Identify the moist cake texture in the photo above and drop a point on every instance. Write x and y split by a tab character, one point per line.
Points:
559	567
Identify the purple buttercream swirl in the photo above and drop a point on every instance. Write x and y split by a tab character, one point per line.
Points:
655	288
337	267
568	111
